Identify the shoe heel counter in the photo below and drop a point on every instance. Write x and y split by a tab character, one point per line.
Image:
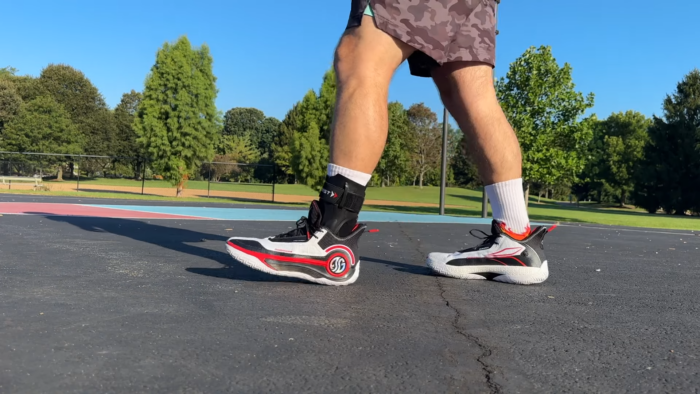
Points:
536	243
351	241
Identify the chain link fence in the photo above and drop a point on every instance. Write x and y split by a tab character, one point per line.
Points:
133	175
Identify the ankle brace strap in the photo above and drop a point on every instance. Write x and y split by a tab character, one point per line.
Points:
341	197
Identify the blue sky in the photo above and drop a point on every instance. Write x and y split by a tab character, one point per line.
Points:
267	54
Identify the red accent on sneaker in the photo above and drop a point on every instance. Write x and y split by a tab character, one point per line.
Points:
264	256
513	234
506	252
356	226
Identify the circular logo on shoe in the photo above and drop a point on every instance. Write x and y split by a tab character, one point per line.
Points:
337	265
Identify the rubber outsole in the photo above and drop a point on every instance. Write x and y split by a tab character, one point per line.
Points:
509	274
256	264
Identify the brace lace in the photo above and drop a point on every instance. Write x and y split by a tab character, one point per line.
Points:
304	228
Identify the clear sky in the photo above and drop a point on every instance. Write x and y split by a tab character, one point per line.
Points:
267	54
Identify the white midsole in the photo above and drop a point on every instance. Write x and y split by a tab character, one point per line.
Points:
256	264
507	274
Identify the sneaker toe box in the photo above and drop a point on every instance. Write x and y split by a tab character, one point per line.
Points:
246	243
437	259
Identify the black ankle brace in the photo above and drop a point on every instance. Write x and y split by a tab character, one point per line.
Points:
341	200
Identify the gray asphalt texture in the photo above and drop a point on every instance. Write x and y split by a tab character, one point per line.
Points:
124	306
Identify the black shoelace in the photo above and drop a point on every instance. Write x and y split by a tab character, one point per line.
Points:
488	241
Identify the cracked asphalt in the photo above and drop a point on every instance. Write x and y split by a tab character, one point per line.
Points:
125	306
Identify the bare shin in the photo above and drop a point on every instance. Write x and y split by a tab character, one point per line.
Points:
468	93
365	62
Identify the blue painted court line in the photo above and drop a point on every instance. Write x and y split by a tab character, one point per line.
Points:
279	215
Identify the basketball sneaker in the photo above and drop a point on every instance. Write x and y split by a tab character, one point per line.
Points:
323	248
501	256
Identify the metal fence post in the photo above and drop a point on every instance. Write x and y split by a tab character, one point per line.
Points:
143	176
209	181
274	178
79	163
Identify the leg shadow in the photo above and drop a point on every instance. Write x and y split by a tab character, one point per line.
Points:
177	239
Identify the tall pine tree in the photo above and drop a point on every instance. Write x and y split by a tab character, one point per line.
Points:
177	120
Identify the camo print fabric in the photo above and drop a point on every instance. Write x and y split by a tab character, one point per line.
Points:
444	30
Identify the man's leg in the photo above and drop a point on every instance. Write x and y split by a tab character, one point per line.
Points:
468	93
512	253
324	246
365	62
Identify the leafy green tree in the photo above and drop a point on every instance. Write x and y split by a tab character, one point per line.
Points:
243	122
310	157
267	136
395	161
542	105
427	140
83	102
669	174
281	146
326	103
463	167
309	165
237	149
28	87
10	102
125	144
624	138
177	120
42	125
253	124
7	71
590	182
314	114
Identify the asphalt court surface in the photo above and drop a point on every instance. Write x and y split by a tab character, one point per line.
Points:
139	305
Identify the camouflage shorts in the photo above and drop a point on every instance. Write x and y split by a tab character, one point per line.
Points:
443	31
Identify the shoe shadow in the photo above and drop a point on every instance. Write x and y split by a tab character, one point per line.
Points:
401	267
177	239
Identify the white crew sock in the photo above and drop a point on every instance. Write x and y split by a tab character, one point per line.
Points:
508	205
355	176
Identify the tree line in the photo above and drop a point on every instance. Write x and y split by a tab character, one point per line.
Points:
567	151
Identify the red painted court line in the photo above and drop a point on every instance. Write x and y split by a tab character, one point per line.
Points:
36	208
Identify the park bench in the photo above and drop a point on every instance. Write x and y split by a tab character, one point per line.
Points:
7	180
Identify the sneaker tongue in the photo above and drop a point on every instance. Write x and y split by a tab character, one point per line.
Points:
315	215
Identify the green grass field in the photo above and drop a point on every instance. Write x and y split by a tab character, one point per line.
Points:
463	202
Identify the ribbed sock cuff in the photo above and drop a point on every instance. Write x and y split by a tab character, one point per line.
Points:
508	205
355	176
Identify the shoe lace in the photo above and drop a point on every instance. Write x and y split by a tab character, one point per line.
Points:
487	240
304	227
